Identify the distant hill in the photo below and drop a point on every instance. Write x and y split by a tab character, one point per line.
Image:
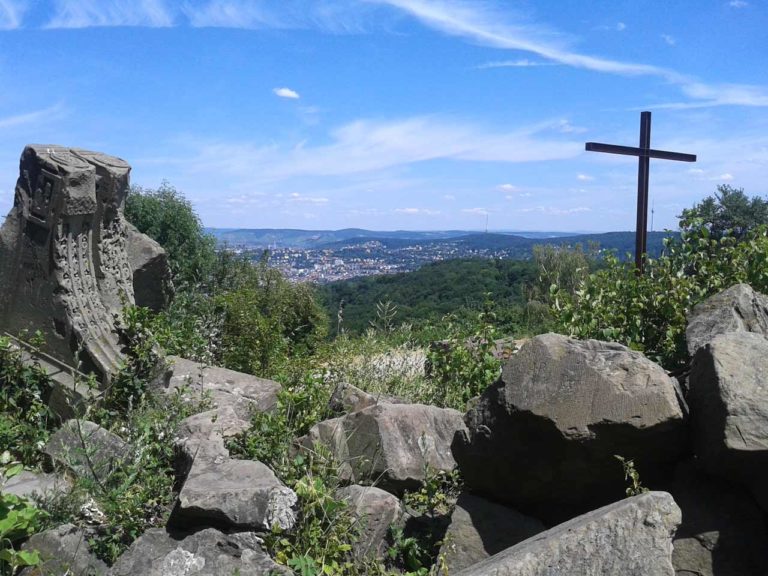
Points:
515	246
294	238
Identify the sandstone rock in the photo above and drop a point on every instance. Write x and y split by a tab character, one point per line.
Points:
375	510
347	398
632	537
243	392
87	449
729	409
204	553
480	528
63	550
63	264
234	493
390	444
737	309
28	484
543	438
152	286
723	532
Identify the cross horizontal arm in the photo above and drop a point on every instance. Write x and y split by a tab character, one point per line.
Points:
631	151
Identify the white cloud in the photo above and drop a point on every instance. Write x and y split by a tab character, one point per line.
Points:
11	13
519	63
481	23
516	196
584	177
335	16
669	39
417	211
286	93
620	26
36	117
555	211
296	197
90	13
366	146
449	197
477	211
738	4
507	188
725	177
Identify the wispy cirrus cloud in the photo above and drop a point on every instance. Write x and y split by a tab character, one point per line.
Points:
94	13
484	24
519	63
370	145
11	13
35	117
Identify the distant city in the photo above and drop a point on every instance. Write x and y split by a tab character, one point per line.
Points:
323	256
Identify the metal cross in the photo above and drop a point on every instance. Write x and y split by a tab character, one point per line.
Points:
645	153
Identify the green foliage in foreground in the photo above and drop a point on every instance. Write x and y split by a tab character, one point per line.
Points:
648	313
25	421
18	520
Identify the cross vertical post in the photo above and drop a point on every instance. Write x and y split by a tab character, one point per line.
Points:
644	152
643	172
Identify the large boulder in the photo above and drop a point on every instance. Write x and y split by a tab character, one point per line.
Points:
543	439
87	449
63	550
480	528
244	393
393	445
375	511
243	494
729	409
152	286
737	309
723	532
204	553
632	537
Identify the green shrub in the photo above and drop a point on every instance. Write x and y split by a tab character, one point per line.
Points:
648	313
25	420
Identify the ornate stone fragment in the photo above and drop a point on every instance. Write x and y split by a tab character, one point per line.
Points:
64	268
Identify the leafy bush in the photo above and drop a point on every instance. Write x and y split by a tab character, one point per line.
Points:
25	420
18	520
648	313
167	217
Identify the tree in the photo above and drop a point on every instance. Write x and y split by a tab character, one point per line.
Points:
729	211
167	217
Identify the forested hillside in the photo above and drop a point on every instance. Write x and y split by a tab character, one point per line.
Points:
454	286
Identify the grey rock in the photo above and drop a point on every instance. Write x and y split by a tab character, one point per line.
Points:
87	449
480	528
375	511
347	398
63	264
632	537
152	286
235	493
204	553
391	445
63	550
28	484
543	439
244	393
737	309
729	409
722	533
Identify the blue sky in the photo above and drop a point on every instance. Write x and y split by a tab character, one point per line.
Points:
395	114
